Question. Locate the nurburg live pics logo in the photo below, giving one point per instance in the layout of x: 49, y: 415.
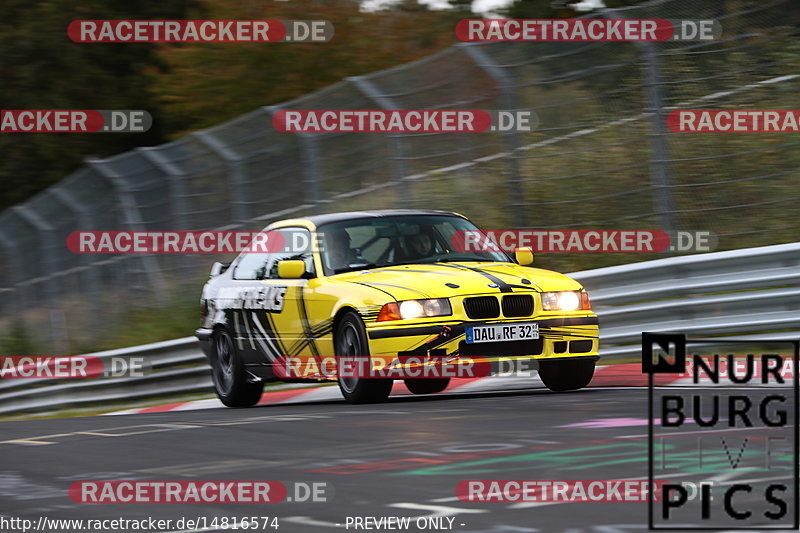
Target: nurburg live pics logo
x: 722, y: 432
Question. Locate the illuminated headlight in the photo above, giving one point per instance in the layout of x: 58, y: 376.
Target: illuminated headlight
x: 424, y: 308
x: 563, y: 301
x: 410, y: 309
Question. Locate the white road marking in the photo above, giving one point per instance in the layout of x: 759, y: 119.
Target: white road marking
x: 436, y: 510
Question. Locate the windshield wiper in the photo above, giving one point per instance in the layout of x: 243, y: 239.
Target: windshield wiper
x: 463, y: 259
x: 354, y: 268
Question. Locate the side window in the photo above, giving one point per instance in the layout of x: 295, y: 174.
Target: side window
x: 296, y: 245
x: 252, y: 266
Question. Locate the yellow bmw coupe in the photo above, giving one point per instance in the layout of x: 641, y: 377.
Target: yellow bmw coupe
x: 382, y: 286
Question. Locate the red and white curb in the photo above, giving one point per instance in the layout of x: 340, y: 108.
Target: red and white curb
x: 627, y: 375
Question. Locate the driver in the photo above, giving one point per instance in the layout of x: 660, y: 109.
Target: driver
x: 338, y: 250
x: 421, y: 244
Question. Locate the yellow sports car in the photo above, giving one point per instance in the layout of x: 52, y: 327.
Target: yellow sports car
x: 385, y: 287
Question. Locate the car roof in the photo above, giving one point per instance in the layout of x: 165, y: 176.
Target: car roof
x: 319, y: 220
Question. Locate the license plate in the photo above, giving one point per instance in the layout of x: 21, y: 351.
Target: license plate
x: 502, y: 332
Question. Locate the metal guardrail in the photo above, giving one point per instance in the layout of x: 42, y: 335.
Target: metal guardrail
x: 742, y: 293
x: 175, y: 367
x: 754, y: 291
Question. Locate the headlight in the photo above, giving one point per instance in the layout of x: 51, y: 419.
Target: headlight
x: 565, y: 301
x: 410, y: 309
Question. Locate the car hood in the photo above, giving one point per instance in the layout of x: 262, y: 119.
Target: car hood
x: 443, y: 280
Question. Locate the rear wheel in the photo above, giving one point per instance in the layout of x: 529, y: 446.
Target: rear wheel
x: 231, y: 381
x: 566, y: 374
x: 351, y: 341
x: 427, y: 386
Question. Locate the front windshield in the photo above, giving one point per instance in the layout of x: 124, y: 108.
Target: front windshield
x: 386, y: 241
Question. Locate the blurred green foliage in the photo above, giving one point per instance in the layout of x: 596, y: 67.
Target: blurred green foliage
x: 183, y: 86
x: 43, y: 69
x: 16, y: 340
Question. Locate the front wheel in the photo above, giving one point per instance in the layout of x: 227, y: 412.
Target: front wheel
x: 566, y: 374
x: 231, y: 381
x: 427, y: 386
x: 351, y: 342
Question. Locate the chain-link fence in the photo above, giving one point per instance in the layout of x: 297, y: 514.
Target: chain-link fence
x: 602, y: 157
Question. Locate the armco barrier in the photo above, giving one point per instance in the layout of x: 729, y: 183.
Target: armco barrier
x: 176, y: 367
x: 747, y: 293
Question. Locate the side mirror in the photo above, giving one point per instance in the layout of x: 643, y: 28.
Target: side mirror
x: 291, y: 269
x: 218, y: 268
x: 523, y: 256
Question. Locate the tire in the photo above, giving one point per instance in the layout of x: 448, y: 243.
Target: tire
x: 230, y: 378
x: 566, y: 374
x: 427, y: 386
x: 351, y: 340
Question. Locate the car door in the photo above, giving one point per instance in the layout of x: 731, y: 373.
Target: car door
x: 268, y: 320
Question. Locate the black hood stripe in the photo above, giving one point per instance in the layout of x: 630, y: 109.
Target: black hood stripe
x: 517, y: 276
x: 502, y: 286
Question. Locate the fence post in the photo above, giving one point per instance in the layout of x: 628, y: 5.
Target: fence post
x: 18, y: 268
x: 175, y: 176
x: 236, y: 173
x: 508, y: 99
x: 399, y: 169
x: 134, y: 222
x: 177, y: 193
x: 660, y: 172
x: 47, y: 268
x: 40, y: 225
x: 311, y: 176
x: 70, y: 202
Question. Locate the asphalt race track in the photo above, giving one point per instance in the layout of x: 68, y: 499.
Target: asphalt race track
x: 402, y: 458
